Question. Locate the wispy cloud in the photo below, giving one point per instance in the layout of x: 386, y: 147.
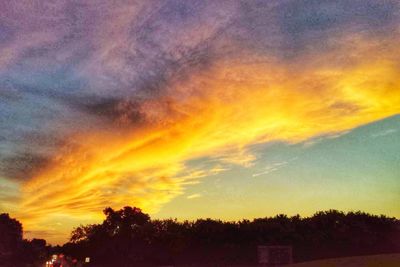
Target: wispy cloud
x: 271, y: 168
x: 193, y: 196
x: 384, y: 133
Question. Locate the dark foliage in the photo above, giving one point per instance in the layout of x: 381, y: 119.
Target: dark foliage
x: 10, y: 238
x: 16, y: 251
x: 129, y: 237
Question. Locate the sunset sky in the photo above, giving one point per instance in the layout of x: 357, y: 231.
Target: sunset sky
x: 189, y: 109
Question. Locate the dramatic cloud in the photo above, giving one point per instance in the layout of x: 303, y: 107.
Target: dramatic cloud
x: 104, y: 104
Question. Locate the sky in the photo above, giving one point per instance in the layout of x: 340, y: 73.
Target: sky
x: 188, y: 109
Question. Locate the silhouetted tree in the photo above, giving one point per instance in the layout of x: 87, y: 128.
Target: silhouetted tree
x: 35, y: 251
x: 129, y: 237
x: 16, y: 251
x: 10, y: 239
x: 126, y: 232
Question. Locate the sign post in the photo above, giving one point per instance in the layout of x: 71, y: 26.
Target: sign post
x: 274, y: 255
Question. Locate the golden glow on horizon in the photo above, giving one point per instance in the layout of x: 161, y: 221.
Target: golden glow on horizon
x: 217, y: 113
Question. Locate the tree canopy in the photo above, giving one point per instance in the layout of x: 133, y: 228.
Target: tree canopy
x: 129, y: 236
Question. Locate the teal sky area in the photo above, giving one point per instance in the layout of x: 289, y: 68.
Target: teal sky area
x: 359, y: 170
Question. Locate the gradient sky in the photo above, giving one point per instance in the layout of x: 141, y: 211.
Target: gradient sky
x: 187, y: 109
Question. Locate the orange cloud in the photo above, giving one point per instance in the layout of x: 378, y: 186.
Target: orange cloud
x: 217, y: 113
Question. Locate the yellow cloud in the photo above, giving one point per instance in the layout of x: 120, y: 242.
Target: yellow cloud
x: 217, y: 113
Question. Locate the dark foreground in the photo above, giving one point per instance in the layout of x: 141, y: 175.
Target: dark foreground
x: 387, y: 260
x: 129, y: 237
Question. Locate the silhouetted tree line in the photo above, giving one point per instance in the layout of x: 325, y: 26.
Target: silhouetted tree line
x: 128, y: 237
x: 16, y: 251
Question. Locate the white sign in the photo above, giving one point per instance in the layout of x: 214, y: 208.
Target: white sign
x: 87, y: 259
x: 263, y: 254
x: 274, y: 255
